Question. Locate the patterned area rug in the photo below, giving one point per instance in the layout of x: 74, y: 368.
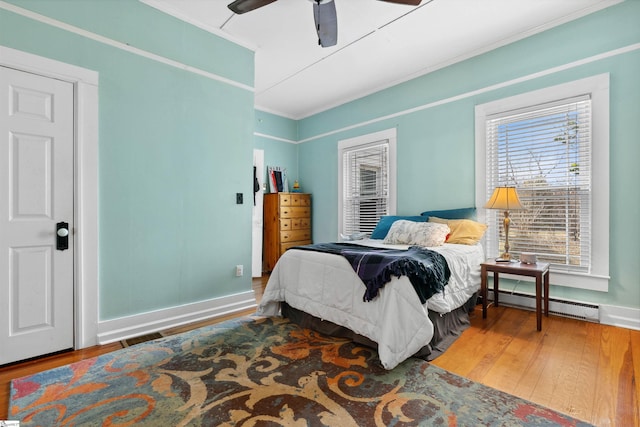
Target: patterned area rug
x: 261, y: 372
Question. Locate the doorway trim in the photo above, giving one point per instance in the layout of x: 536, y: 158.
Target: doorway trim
x: 256, y: 215
x: 86, y: 283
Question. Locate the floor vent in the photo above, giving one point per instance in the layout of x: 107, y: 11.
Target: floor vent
x: 143, y: 338
x: 572, y: 309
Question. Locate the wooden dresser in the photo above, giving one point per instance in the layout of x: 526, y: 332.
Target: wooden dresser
x: 287, y: 223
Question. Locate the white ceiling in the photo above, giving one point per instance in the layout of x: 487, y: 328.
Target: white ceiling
x: 379, y: 44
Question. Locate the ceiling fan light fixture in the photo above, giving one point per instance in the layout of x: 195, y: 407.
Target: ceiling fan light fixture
x: 407, y: 2
x: 243, y: 6
x: 324, y: 15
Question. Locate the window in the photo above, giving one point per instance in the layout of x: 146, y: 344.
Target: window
x: 545, y: 152
x: 553, y: 147
x: 366, y: 181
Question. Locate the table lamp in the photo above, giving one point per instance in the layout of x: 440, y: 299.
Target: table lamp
x: 505, y: 198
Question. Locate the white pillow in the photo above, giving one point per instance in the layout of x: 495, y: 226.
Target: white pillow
x: 417, y: 233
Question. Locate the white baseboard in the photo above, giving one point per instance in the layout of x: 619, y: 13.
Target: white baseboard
x: 624, y: 317
x: 140, y: 324
x: 612, y: 315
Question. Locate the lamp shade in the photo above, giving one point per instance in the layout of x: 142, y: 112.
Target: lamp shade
x: 505, y: 198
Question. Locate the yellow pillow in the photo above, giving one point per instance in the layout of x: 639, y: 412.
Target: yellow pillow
x: 463, y: 231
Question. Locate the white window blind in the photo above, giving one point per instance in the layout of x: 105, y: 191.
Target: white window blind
x: 365, y: 189
x: 545, y: 152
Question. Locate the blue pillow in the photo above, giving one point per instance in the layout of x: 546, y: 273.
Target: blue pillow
x: 463, y: 213
x: 381, y: 230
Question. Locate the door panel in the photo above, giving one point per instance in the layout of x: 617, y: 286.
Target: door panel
x: 30, y: 289
x: 30, y: 158
x: 36, y: 192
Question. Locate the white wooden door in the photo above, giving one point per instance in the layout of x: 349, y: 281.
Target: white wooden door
x: 36, y: 193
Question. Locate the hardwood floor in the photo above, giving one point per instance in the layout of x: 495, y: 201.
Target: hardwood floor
x: 586, y: 370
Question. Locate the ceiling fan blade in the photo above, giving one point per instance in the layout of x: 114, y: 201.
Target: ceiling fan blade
x: 409, y: 2
x: 324, y: 15
x: 242, y: 6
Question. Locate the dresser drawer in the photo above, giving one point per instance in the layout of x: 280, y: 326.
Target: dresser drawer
x: 285, y: 246
x: 300, y: 223
x: 294, y: 212
x: 294, y: 236
x: 300, y: 200
x: 284, y: 199
x: 288, y: 224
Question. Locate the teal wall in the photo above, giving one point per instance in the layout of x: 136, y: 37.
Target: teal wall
x: 436, y: 159
x: 277, y: 135
x: 174, y: 148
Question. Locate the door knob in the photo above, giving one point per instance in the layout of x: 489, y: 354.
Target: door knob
x: 62, y: 238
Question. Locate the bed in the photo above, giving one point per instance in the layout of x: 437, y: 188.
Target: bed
x: 323, y: 291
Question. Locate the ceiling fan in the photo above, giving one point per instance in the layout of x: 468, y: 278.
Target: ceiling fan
x: 324, y: 15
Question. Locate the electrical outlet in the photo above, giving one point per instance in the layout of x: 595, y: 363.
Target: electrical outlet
x: 239, y: 270
x: 239, y: 198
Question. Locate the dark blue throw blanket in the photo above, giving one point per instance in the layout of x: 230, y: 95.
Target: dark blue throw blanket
x: 426, y: 269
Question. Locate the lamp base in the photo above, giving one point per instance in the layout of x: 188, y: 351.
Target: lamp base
x: 505, y: 257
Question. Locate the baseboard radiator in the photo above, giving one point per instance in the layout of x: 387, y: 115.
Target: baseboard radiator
x: 573, y: 309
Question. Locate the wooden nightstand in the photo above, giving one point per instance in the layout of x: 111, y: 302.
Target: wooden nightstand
x: 540, y: 271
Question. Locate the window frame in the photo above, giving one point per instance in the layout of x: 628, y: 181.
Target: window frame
x: 362, y: 141
x: 597, y: 278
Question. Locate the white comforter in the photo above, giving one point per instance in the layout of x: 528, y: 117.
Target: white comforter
x: 325, y: 285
